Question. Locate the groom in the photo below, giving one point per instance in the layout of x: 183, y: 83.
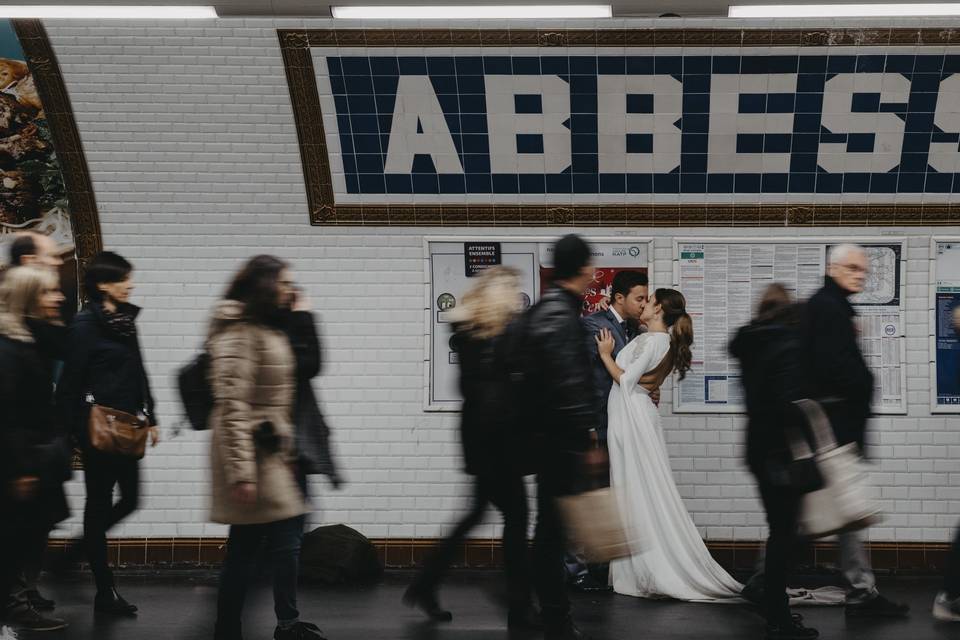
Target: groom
x: 628, y: 295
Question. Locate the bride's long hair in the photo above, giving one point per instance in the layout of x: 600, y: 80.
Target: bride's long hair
x: 675, y: 316
x: 490, y: 305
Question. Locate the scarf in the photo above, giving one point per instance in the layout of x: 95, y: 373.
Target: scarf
x: 119, y: 322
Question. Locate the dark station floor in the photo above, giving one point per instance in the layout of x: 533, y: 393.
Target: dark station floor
x: 180, y: 606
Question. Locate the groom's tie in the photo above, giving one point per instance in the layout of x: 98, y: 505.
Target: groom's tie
x: 625, y: 329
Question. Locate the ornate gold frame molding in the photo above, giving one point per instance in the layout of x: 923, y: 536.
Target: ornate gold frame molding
x: 295, y: 48
x: 66, y: 137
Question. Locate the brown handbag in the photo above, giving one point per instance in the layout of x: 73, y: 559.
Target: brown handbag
x: 117, y: 432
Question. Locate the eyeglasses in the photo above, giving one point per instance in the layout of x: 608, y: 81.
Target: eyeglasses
x: 854, y: 268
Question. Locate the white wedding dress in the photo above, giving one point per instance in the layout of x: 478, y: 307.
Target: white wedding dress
x: 671, y: 559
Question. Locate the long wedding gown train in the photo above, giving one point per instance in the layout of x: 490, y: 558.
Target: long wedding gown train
x: 672, y: 560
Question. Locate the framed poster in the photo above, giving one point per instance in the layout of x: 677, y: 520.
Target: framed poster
x: 723, y: 279
x: 944, y: 339
x: 450, y: 263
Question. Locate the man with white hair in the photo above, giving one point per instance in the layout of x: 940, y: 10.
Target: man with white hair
x: 836, y: 371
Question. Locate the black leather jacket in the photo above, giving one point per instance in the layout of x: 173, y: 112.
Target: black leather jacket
x: 564, y: 401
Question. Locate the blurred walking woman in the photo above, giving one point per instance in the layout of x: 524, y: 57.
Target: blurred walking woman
x: 255, y: 490
x: 104, y: 366
x: 479, y: 336
x: 34, y: 456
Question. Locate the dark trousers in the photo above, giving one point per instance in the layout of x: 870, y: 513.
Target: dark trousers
x: 33, y: 559
x: 101, y: 473
x: 508, y: 494
x: 549, y: 545
x: 782, y: 505
x: 282, y: 540
x: 951, y: 583
x: 20, y: 532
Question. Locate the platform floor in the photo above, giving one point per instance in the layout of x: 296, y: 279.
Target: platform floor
x: 180, y: 606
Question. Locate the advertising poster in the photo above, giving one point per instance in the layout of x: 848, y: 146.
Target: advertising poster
x: 453, y: 264
x: 723, y: 283
x: 947, y: 342
x: 608, y: 261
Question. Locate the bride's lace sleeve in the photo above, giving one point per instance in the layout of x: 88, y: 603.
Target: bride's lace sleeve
x: 645, y: 356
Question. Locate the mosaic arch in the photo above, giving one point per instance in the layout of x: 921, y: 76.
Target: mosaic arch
x: 45, y: 183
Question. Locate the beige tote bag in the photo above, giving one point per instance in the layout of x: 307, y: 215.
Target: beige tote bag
x: 842, y: 503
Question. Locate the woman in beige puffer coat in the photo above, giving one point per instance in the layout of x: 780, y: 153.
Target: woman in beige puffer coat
x: 255, y: 491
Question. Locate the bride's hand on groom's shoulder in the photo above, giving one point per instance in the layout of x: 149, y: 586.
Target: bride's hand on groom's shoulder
x: 605, y: 342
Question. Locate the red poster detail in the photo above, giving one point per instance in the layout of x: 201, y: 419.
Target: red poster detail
x: 599, y: 289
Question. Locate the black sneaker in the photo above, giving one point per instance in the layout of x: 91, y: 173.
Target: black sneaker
x: 29, y: 619
x: 299, y: 631
x: 877, y: 607
x: 113, y: 603
x: 38, y: 602
x: 792, y: 629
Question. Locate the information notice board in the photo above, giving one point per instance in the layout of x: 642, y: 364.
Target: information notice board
x: 451, y: 263
x: 723, y: 281
x: 945, y: 368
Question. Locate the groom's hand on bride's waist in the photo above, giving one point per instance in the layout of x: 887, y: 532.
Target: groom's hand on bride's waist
x: 655, y: 397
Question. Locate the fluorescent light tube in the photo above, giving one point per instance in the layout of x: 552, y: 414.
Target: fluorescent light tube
x: 473, y: 12
x: 842, y: 10
x: 107, y: 12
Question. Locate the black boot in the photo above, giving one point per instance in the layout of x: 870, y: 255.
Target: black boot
x: 791, y: 629
x: 112, y: 602
x: 564, y: 630
x: 426, y: 601
x: 877, y: 607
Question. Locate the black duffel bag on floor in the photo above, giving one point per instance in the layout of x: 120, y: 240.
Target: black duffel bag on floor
x: 337, y: 554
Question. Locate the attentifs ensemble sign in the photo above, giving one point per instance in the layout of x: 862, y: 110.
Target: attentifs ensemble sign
x: 583, y: 134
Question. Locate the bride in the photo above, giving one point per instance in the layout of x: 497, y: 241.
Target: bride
x: 673, y: 561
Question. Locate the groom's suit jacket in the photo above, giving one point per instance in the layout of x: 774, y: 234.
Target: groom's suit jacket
x: 601, y: 377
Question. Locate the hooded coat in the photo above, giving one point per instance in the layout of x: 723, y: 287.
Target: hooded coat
x: 252, y: 375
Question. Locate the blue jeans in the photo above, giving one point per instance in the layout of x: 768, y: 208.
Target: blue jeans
x: 283, y: 539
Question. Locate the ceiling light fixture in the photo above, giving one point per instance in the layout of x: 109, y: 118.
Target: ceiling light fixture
x: 108, y: 12
x: 473, y: 12
x: 842, y: 10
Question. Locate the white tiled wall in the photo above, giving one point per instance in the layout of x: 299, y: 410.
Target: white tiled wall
x: 192, y: 147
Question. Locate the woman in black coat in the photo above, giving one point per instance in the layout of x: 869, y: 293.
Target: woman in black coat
x: 104, y: 365
x: 770, y: 354
x: 488, y: 446
x: 34, y: 452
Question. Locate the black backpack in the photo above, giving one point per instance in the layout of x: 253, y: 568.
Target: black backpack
x: 195, y: 392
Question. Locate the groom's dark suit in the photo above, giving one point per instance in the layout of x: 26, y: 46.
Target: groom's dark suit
x: 622, y: 334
